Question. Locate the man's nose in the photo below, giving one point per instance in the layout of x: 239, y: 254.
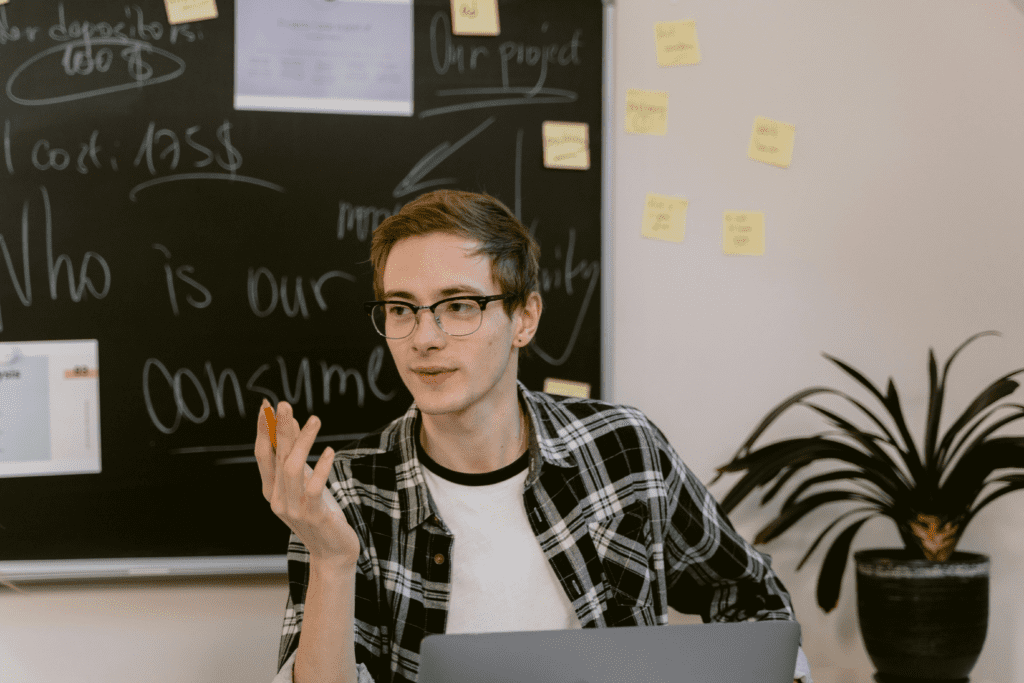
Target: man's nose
x: 427, y: 330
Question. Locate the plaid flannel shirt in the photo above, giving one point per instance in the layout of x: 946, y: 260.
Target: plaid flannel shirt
x: 627, y: 528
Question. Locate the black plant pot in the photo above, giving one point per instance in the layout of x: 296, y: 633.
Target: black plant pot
x: 922, y: 620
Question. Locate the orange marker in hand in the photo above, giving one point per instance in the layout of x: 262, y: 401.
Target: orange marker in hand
x: 271, y: 425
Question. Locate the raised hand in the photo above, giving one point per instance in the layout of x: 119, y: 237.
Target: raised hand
x: 298, y: 494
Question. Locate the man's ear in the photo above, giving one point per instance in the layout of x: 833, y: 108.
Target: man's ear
x: 528, y: 319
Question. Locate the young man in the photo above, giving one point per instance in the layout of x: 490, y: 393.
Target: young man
x: 487, y: 507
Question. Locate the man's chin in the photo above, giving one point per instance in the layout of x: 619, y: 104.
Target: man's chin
x: 434, y: 400
x: 438, y: 408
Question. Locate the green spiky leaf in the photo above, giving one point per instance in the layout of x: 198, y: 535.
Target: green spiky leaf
x: 931, y: 430
x: 832, y: 525
x: 797, y: 510
x: 765, y: 464
x: 950, y: 456
x: 830, y: 579
x: 994, y: 392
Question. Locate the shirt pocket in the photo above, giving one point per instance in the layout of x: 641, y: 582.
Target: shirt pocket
x: 623, y: 543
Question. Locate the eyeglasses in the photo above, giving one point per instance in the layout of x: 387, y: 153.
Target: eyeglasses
x: 457, y: 316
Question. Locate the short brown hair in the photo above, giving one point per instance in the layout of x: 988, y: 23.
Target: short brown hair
x: 514, y: 253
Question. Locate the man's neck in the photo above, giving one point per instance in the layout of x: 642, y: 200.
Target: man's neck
x: 484, y: 441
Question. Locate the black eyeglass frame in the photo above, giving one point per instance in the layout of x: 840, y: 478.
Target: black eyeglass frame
x: 481, y: 301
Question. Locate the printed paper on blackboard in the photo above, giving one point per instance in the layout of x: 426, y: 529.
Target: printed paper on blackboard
x: 328, y: 56
x: 49, y: 408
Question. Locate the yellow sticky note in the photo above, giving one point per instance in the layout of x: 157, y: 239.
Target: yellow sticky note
x: 565, y: 387
x: 676, y: 43
x: 647, y: 112
x: 743, y: 232
x: 475, y: 18
x: 664, y: 218
x: 183, y: 11
x: 772, y: 142
x: 566, y: 145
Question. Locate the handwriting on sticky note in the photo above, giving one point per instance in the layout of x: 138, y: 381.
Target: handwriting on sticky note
x: 676, y: 43
x: 664, y: 218
x: 182, y: 11
x: 743, y: 232
x: 566, y: 387
x: 772, y: 142
x: 475, y: 18
x: 647, y: 112
x: 271, y: 425
x: 566, y: 145
x: 81, y: 372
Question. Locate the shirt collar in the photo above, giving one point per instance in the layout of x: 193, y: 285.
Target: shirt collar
x: 546, y: 448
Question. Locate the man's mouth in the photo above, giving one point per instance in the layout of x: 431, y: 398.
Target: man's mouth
x: 434, y: 375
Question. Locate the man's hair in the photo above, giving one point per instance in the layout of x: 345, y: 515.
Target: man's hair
x: 514, y: 253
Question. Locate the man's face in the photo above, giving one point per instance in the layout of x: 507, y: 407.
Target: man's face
x: 477, y: 369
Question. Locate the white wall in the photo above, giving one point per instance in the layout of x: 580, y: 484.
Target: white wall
x: 897, y: 227
x: 210, y: 630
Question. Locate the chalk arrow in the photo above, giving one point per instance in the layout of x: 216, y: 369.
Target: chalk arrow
x: 413, y: 181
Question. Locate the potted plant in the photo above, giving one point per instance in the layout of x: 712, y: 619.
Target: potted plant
x: 923, y: 608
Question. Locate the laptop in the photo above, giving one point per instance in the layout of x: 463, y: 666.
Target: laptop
x: 740, y: 652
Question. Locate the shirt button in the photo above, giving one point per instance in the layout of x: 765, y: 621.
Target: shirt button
x: 439, y: 559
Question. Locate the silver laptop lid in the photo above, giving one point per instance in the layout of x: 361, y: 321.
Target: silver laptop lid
x: 741, y: 652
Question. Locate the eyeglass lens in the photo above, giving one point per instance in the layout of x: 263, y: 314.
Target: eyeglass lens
x: 457, y: 318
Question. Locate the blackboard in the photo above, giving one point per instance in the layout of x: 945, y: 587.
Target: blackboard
x: 112, y: 177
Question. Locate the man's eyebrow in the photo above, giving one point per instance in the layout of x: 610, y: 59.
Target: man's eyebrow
x: 454, y: 290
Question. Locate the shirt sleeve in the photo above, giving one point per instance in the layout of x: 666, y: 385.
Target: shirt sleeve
x: 711, y: 570
x: 803, y: 669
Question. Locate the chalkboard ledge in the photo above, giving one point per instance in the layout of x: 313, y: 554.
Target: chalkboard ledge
x: 42, y: 571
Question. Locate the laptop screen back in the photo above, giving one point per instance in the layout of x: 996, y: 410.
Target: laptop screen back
x: 742, y: 652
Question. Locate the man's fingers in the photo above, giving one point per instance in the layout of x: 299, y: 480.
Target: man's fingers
x: 318, y: 480
x: 292, y: 467
x: 264, y: 452
x: 290, y: 476
x: 306, y: 437
x: 261, y: 420
x: 287, y: 430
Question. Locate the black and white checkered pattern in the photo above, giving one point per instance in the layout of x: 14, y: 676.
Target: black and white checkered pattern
x: 627, y: 528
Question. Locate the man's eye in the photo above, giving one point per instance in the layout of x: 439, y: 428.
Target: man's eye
x: 398, y: 311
